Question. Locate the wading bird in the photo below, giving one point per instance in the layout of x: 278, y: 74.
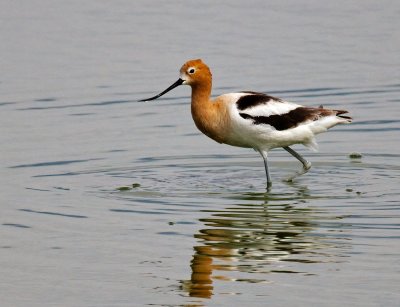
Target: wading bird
x: 254, y: 120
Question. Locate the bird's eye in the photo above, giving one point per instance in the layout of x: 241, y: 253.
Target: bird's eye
x: 191, y: 71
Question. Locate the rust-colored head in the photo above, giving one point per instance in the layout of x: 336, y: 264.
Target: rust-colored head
x: 195, y: 72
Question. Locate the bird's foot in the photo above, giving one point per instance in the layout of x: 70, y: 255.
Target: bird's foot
x: 305, y: 169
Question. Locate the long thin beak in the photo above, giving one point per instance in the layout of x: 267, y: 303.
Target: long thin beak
x: 177, y: 83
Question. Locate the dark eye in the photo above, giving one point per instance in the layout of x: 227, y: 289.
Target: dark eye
x: 191, y: 71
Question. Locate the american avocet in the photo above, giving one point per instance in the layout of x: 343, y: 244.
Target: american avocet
x: 254, y: 120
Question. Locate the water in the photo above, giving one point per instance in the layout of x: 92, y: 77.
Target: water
x: 109, y: 202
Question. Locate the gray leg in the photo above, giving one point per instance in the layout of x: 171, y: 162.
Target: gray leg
x: 306, y: 164
x: 264, y: 155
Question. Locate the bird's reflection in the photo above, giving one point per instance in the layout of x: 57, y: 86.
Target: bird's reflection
x: 252, y: 237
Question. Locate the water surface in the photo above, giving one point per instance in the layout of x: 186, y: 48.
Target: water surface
x: 106, y: 201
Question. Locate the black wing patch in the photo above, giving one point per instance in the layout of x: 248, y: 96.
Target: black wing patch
x: 288, y: 120
x: 253, y: 99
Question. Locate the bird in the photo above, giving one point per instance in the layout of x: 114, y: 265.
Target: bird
x: 255, y: 120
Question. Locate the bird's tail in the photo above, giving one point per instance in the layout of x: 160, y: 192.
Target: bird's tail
x: 325, y: 119
x: 339, y: 113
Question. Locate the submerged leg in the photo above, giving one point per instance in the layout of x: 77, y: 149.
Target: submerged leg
x: 264, y: 155
x: 306, y: 164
